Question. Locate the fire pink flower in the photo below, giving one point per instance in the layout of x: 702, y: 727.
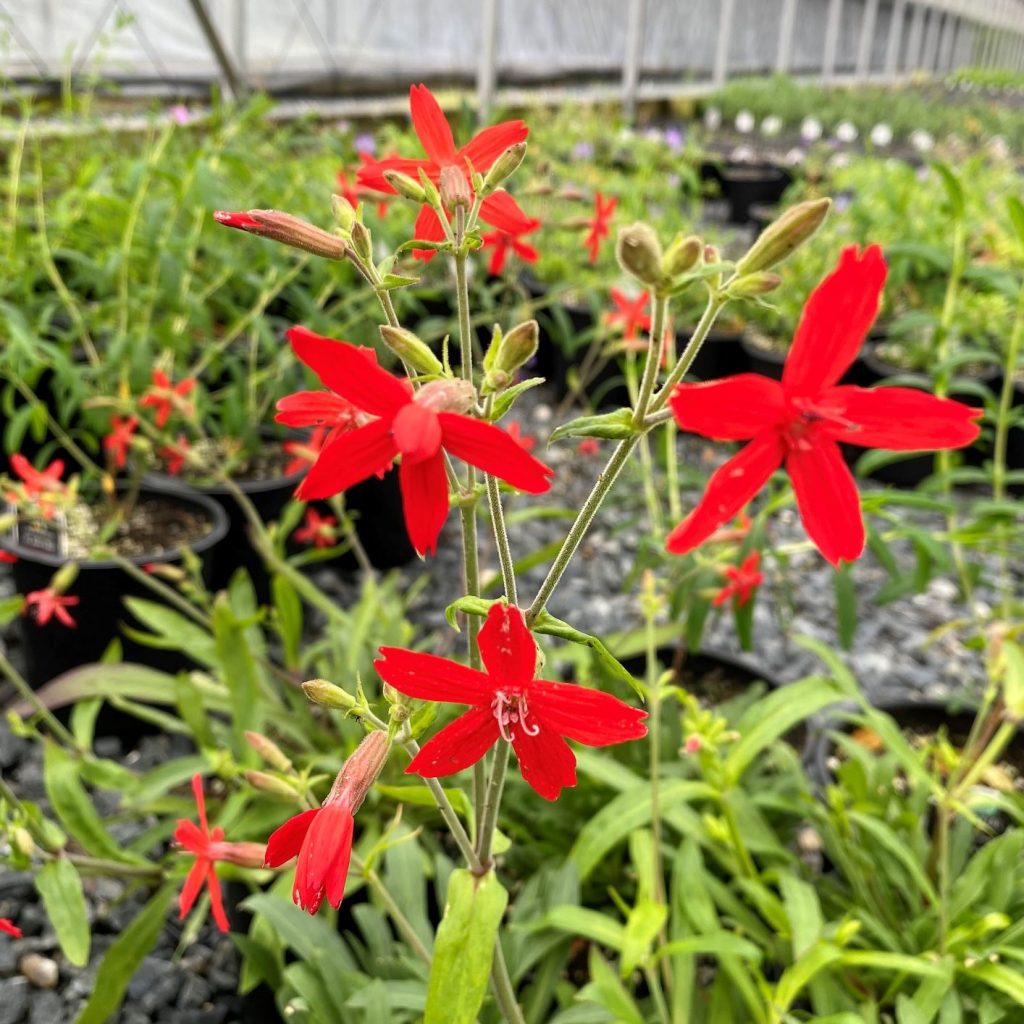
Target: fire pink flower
x: 352, y: 192
x: 8, y: 557
x: 600, y: 225
x: 210, y: 847
x: 40, y: 486
x: 435, y: 134
x: 508, y: 702
x: 8, y: 927
x: 304, y: 453
x: 629, y: 313
x: 800, y: 421
x: 322, y: 838
x: 502, y: 212
x: 174, y: 455
x: 525, y: 441
x: 117, y: 442
x: 47, y: 604
x: 744, y: 579
x: 164, y: 398
x: 416, y: 427
x: 320, y: 531
x: 588, y: 446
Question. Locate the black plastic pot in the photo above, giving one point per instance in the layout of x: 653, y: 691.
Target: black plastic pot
x: 770, y: 362
x: 721, y: 355
x: 379, y: 523
x: 102, y: 586
x: 745, y: 185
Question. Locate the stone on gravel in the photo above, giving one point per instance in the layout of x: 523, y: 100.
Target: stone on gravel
x: 46, y: 1008
x: 13, y: 1000
x: 40, y: 970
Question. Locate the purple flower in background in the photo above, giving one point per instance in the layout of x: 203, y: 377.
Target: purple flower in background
x: 366, y: 143
x: 842, y: 201
x: 674, y: 139
x: 583, y: 150
x: 180, y: 114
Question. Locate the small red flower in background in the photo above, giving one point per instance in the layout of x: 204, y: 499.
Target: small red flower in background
x: 304, y: 452
x: 47, y: 604
x: 117, y: 442
x: 40, y: 486
x: 799, y: 422
x: 733, y: 533
x: 600, y: 225
x: 435, y: 134
x: 408, y: 426
x: 525, y: 441
x: 6, y: 556
x: 353, y: 193
x: 508, y: 702
x: 9, y: 928
x: 629, y: 313
x: 322, y: 837
x: 210, y: 847
x: 588, y: 446
x: 164, y: 398
x: 509, y: 227
x: 320, y: 531
x: 744, y: 579
x: 174, y: 455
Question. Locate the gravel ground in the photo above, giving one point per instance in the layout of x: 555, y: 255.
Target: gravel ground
x: 891, y: 656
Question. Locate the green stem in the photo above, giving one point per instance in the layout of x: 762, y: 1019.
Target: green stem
x: 402, y: 923
x: 747, y: 865
x: 508, y: 572
x: 715, y: 305
x: 653, y: 360
x: 161, y: 589
x: 501, y: 981
x: 30, y: 696
x: 492, y: 802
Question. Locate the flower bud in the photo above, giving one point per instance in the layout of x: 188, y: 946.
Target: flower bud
x: 245, y: 855
x: 517, y: 347
x: 361, y: 770
x: 639, y: 253
x: 405, y: 186
x: 781, y: 238
x: 682, y: 256
x: 270, y: 784
x: 711, y: 254
x: 319, y: 691
x: 410, y: 349
x: 283, y: 227
x: 429, y: 189
x: 64, y: 577
x: 345, y: 213
x: 269, y: 751
x: 504, y: 167
x: 749, y: 285
x: 361, y: 242
x: 447, y: 395
x: 22, y: 840
x: 454, y: 187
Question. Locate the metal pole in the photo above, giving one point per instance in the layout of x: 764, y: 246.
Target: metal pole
x: 786, y: 24
x: 828, y: 66
x: 633, y: 56
x: 931, y: 40
x: 916, y: 37
x: 721, y: 67
x: 946, y: 42
x: 240, y: 27
x: 867, y: 39
x: 486, y: 73
x: 232, y: 82
x: 892, y: 48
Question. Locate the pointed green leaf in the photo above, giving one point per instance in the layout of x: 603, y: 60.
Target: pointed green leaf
x: 61, y: 889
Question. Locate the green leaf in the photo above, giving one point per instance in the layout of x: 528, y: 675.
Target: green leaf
x: 1016, y: 210
x: 74, y: 807
x: 902, y: 963
x: 240, y: 674
x: 288, y: 607
x: 1003, y: 979
x: 804, y: 912
x: 581, y: 922
x: 612, y: 425
x: 392, y: 281
x: 645, y: 920
x: 61, y: 889
x: 796, y: 977
x: 954, y: 189
x: 714, y: 943
x: 470, y: 606
x: 464, y: 948
x: 172, y: 631
x: 606, y: 990
x: 846, y: 606
x: 1013, y: 679
x: 504, y: 401
x: 123, y: 958
x: 550, y: 626
x: 312, y: 938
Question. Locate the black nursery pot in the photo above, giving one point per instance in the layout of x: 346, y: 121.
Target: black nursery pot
x: 102, y: 586
x: 379, y: 523
x: 746, y: 185
x: 721, y: 355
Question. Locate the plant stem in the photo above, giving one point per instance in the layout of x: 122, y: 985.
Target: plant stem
x: 394, y: 910
x: 653, y: 360
x: 485, y: 833
x: 707, y: 320
x: 508, y: 572
x: 161, y: 589
x: 54, y: 724
x: 502, y: 984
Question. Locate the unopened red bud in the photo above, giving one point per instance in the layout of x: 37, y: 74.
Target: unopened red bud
x: 711, y: 254
x: 319, y: 691
x: 405, y: 186
x: 682, y: 255
x: 503, y: 168
x: 411, y: 350
x: 784, y: 235
x: 283, y: 227
x: 361, y: 770
x: 269, y: 751
x: 639, y: 253
x: 447, y: 395
x: 245, y: 855
x: 454, y: 188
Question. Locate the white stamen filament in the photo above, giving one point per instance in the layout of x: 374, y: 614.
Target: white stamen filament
x: 512, y: 710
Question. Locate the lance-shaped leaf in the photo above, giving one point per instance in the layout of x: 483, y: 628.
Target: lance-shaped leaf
x: 611, y: 425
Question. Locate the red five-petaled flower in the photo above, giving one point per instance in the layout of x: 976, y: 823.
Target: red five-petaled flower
x: 40, y: 486
x: 320, y: 531
x: 799, y: 422
x: 417, y: 428
x: 210, y: 847
x: 47, y: 604
x: 508, y: 702
x: 164, y: 398
x: 629, y: 313
x: 122, y: 429
x: 743, y: 579
x: 8, y: 927
x: 600, y: 226
x: 510, y: 224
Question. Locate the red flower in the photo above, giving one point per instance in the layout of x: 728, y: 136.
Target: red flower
x: 47, y: 604
x: 600, y: 226
x: 510, y: 224
x: 502, y: 212
x: 629, y: 313
x: 525, y: 441
x: 435, y: 134
x: 352, y: 192
x: 41, y: 486
x: 800, y: 421
x: 6, y: 556
x: 508, y: 702
x: 174, y: 455
x: 322, y: 838
x: 318, y: 530
x: 9, y: 928
x: 733, y: 533
x: 304, y: 453
x: 743, y: 579
x: 209, y: 847
x: 588, y: 446
x: 120, y: 437
x: 416, y: 427
x: 165, y: 398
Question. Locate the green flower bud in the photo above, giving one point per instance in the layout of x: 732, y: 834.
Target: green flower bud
x: 319, y: 691
x: 517, y: 347
x: 270, y: 784
x: 344, y: 212
x: 433, y: 197
x: 410, y: 349
x: 749, y: 285
x: 639, y: 253
x: 64, y: 577
x: 269, y: 751
x: 503, y: 168
x: 405, y: 186
x: 361, y: 242
x: 682, y: 255
x: 454, y: 188
x: 782, y: 237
